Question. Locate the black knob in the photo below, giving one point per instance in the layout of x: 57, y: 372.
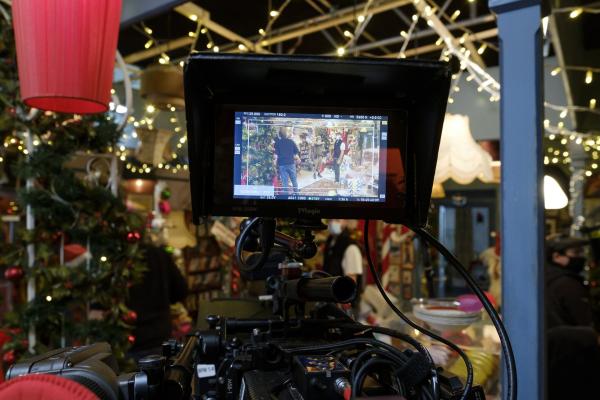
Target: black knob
x: 151, y: 362
x: 154, y: 367
x: 235, y: 343
x: 170, y: 348
x: 212, y: 321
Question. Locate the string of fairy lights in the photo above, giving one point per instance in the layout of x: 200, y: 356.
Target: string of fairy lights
x: 557, y: 134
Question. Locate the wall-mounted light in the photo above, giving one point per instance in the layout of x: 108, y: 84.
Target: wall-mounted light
x: 555, y: 197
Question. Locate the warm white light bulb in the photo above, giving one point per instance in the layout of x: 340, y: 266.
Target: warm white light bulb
x: 554, y: 196
x: 576, y: 12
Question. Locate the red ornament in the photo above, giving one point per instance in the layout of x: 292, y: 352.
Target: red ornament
x: 15, y: 331
x: 9, y: 357
x: 131, y: 339
x: 133, y: 236
x: 13, y: 273
x: 66, y: 53
x: 130, y: 317
x: 164, y: 206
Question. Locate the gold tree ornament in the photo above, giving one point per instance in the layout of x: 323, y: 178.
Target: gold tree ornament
x: 162, y: 86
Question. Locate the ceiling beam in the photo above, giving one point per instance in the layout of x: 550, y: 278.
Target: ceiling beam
x: 444, y: 32
x: 418, y: 35
x: 329, y: 20
x: 196, y: 13
x: 158, y: 50
x: 282, y: 34
x: 333, y: 43
x: 203, y: 17
x: 487, y: 34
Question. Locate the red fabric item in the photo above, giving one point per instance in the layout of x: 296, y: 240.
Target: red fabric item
x: 73, y: 251
x: 66, y: 53
x: 498, y: 244
x: 367, y: 276
x: 44, y: 387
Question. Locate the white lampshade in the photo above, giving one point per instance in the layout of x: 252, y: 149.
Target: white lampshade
x: 554, y: 196
x: 460, y: 157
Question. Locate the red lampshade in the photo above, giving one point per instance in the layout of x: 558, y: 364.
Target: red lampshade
x: 66, y: 53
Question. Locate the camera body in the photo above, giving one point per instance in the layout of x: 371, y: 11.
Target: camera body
x: 297, y: 353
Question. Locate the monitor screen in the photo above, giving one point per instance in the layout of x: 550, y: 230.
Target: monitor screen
x: 309, y: 157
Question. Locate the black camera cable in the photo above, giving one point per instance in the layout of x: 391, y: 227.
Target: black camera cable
x: 261, y: 230
x: 509, y: 357
x: 409, y: 322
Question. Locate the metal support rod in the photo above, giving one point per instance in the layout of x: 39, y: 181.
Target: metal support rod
x: 420, y: 34
x: 114, y: 176
x: 522, y: 201
x: 196, y: 13
x: 30, y: 226
x: 333, y: 43
x: 576, y: 187
x: 451, y: 42
x: 157, y: 50
x: 316, y: 24
x: 330, y: 39
x: 490, y: 33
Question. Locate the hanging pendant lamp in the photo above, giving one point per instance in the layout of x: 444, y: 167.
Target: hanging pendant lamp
x: 460, y: 157
x: 66, y: 53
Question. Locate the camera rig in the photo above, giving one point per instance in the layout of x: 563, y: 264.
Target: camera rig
x: 294, y: 354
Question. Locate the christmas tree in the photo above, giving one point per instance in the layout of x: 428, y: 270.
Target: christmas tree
x: 84, y: 251
x: 258, y: 158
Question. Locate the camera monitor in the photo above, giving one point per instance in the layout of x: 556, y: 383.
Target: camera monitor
x: 313, y: 137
